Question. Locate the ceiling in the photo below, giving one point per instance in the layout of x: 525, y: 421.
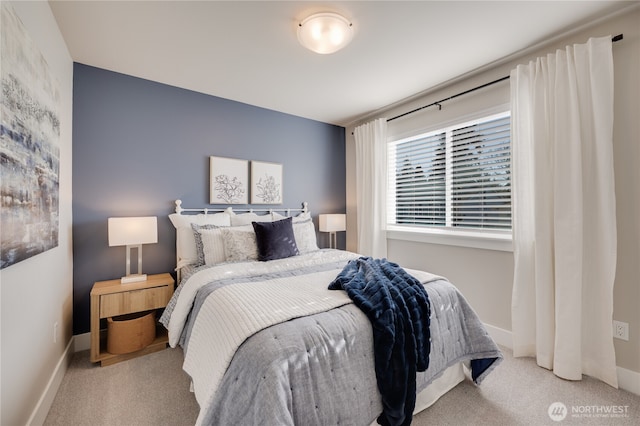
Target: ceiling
x: 248, y: 51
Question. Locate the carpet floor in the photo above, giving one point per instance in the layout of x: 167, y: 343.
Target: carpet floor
x: 153, y: 390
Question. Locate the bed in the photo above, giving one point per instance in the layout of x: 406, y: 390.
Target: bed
x: 266, y: 342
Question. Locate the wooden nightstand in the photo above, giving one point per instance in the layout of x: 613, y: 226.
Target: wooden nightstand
x: 111, y: 298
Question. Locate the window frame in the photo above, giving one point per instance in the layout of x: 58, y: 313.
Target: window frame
x: 492, y: 239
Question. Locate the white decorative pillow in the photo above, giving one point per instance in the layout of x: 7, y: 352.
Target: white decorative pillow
x: 247, y: 218
x: 185, y: 240
x: 305, y: 235
x: 240, y: 243
x: 209, y: 244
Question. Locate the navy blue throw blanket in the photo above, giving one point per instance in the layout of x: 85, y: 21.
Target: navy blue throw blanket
x: 398, y: 307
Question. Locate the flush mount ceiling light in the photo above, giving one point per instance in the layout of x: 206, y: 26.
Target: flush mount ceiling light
x: 325, y: 32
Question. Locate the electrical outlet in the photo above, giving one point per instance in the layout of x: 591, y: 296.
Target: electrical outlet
x: 55, y: 332
x: 621, y: 330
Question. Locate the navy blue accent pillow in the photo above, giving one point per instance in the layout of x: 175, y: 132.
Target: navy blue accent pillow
x: 275, y: 239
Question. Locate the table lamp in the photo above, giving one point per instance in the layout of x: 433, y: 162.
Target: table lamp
x: 333, y: 223
x: 133, y: 232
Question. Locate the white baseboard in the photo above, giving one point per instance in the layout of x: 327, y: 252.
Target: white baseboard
x: 628, y: 380
x: 41, y: 410
x: 81, y: 342
x: 500, y: 336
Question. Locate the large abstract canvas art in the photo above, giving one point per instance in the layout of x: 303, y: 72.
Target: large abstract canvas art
x: 29, y: 146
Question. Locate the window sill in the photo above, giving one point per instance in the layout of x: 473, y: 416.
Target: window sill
x: 472, y: 239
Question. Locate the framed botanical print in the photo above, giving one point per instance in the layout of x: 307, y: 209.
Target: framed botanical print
x: 266, y: 183
x: 229, y: 180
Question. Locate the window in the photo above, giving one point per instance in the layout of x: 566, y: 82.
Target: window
x: 453, y: 179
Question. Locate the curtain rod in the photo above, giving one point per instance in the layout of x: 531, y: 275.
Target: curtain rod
x: 438, y: 103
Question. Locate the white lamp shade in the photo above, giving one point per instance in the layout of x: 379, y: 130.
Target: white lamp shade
x: 124, y: 231
x: 333, y: 222
x: 325, y: 32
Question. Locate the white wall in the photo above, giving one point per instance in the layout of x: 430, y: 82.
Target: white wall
x: 484, y: 276
x: 37, y: 292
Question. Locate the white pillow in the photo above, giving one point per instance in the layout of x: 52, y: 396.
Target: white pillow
x: 240, y: 243
x: 209, y: 244
x: 305, y: 235
x: 247, y: 218
x: 185, y: 241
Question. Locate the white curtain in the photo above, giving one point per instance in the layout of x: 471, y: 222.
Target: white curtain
x: 371, y: 187
x: 564, y: 218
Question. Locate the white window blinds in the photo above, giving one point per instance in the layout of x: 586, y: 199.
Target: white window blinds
x: 420, y: 181
x: 481, y: 186
x: 456, y: 177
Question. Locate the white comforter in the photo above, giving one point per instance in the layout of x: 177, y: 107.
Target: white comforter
x: 187, y: 293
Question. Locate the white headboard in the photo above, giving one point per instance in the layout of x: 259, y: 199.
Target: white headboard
x: 230, y: 210
x: 206, y: 210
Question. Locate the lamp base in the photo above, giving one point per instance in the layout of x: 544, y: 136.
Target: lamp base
x: 133, y: 278
x: 333, y: 240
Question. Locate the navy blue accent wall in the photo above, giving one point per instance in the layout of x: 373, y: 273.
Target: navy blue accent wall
x: 138, y: 145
